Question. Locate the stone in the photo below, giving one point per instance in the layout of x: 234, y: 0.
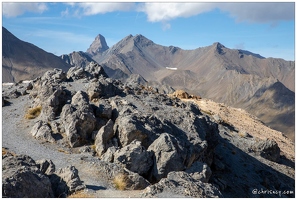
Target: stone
x: 169, y: 156
x: 267, y: 149
x: 78, y: 120
x: 55, y: 75
x: 21, y: 178
x: 14, y: 94
x: 52, y: 106
x: 75, y: 73
x: 104, y: 110
x: 181, y: 184
x: 66, y: 181
x: 108, y: 156
x: 103, y: 136
x: 181, y: 94
x: 134, y: 157
x: 103, y: 88
x: 42, y: 131
x: 199, y: 171
x: 92, y: 70
x: 110, y: 171
x: 46, y: 166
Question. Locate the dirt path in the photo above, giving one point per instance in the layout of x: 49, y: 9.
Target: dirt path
x: 16, y: 137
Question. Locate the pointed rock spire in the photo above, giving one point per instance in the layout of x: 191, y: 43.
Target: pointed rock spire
x: 99, y: 45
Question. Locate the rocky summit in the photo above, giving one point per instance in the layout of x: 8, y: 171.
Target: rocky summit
x: 79, y: 133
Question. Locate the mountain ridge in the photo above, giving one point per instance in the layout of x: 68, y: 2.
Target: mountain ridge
x: 22, y: 60
x: 230, y: 76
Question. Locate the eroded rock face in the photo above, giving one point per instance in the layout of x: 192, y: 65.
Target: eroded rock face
x: 78, y: 119
x: 66, y: 181
x: 22, y: 179
x: 181, y: 184
x: 103, y: 88
x: 169, y: 155
x: 103, y: 136
x: 134, y: 157
x: 42, y: 131
x: 92, y: 70
x: 111, y: 171
x: 145, y: 117
x: 199, y: 171
x: 267, y: 149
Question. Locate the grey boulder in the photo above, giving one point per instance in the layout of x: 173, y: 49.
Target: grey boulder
x: 181, y: 184
x: 134, y: 157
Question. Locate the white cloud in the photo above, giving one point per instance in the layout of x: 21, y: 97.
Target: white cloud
x: 260, y: 12
x: 250, y: 12
x: 16, y: 9
x: 167, y: 11
x: 101, y: 8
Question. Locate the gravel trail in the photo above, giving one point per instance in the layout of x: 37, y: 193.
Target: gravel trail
x: 17, y: 138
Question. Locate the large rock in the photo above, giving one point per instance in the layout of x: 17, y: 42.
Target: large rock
x: 181, y: 184
x: 66, y: 181
x: 145, y: 117
x: 52, y: 106
x: 92, y: 70
x: 199, y: 171
x: 21, y: 178
x: 78, y: 120
x: 42, y: 131
x: 104, y: 109
x: 103, y: 88
x: 111, y: 171
x: 169, y: 156
x: 134, y: 157
x: 55, y: 75
x: 103, y: 136
x: 46, y: 166
x: 267, y: 149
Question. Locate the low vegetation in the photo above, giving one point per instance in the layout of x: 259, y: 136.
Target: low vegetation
x: 32, y: 113
x: 81, y: 194
x: 120, y: 181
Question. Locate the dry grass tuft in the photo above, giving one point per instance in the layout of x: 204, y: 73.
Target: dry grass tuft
x: 81, y: 194
x: 120, y: 181
x: 32, y: 113
x: 63, y: 151
x: 5, y: 151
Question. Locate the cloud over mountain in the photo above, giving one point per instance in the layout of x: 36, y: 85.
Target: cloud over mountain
x: 266, y: 12
x: 16, y: 9
x: 250, y: 12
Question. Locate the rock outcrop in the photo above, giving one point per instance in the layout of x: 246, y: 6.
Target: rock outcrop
x: 149, y: 139
x: 25, y: 178
x: 78, y: 119
x: 42, y: 131
x: 181, y: 184
x: 134, y: 157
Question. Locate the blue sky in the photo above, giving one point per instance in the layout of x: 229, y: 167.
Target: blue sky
x: 61, y: 28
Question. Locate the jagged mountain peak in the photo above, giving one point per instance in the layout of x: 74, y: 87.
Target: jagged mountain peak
x: 99, y: 45
x: 218, y: 45
x: 142, y: 39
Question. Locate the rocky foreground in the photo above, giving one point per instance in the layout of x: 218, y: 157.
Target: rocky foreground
x: 81, y: 131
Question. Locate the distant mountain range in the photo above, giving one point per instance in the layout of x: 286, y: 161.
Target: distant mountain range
x: 22, y: 60
x: 264, y: 87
